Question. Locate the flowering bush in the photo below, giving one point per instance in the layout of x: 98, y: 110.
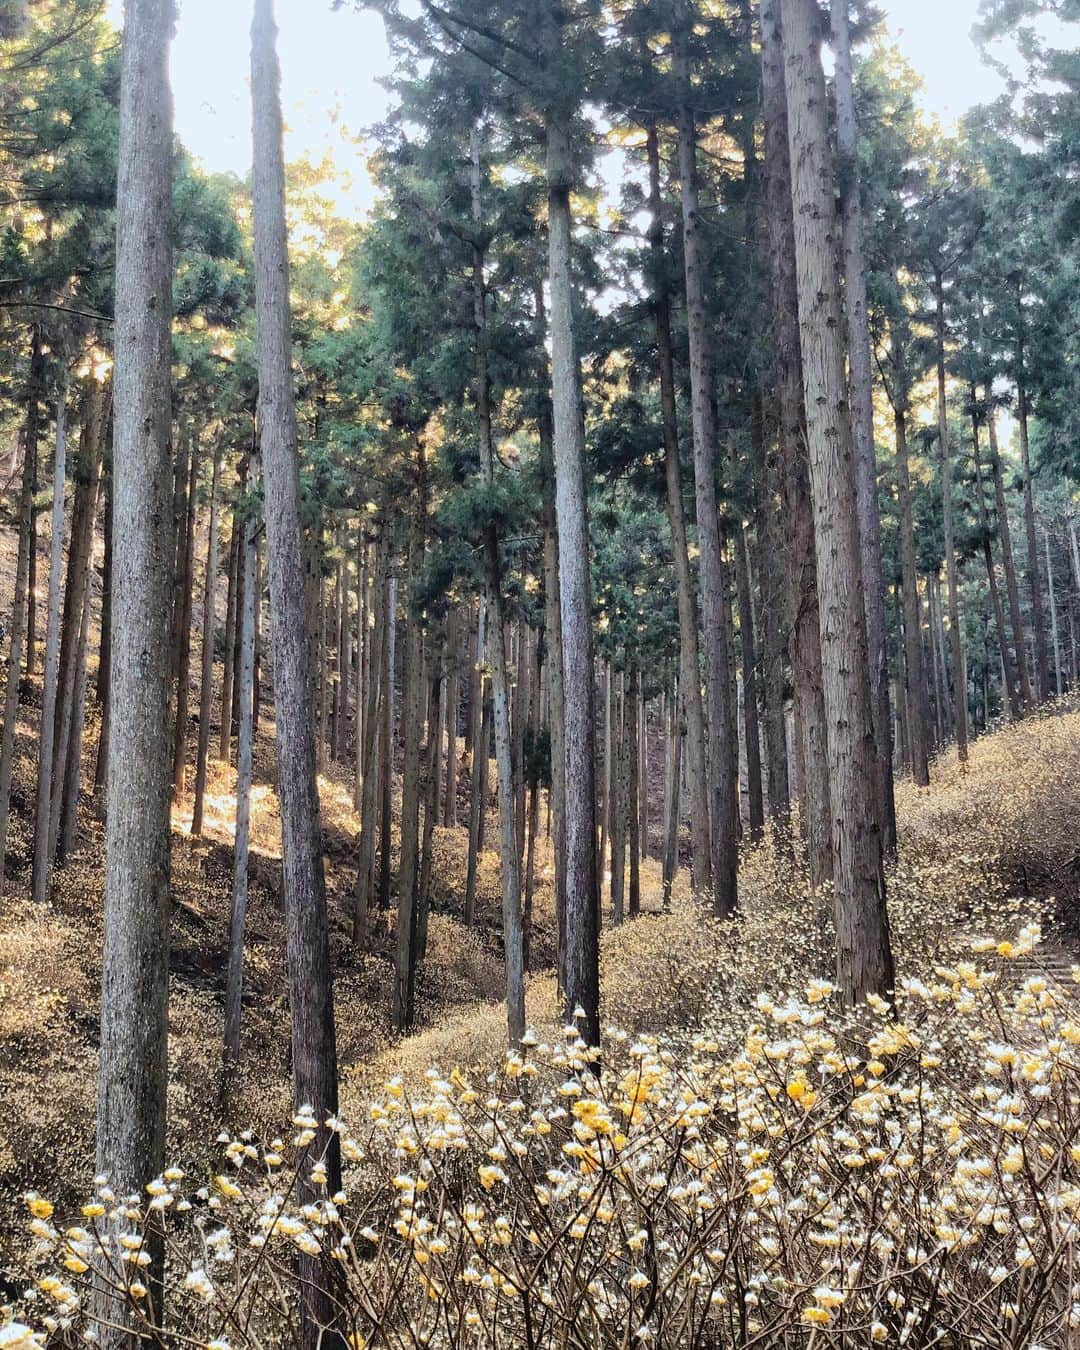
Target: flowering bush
x: 906, y: 1176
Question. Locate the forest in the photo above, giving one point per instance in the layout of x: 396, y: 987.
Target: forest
x: 540, y: 761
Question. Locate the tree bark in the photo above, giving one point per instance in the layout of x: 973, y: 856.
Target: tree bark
x: 411, y: 717
x: 206, y: 688
x: 751, y: 732
x: 1012, y: 590
x: 721, y: 759
x: 234, y: 979
x: 634, y: 792
x: 918, y: 716
x: 314, y: 1059
x: 133, y: 1060
x: 1008, y: 673
x: 43, y: 804
x: 864, y: 953
x: 14, y: 666
x: 582, y: 965
x: 956, y: 649
x: 860, y: 380
x: 186, y: 581
x: 804, y: 640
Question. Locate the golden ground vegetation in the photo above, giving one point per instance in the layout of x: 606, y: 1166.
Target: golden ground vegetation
x: 803, y: 1150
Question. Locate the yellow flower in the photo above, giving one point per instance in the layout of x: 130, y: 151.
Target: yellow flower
x: 227, y: 1187
x: 38, y: 1206
x: 816, y: 1316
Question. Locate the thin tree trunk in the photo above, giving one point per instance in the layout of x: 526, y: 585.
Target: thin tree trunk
x: 633, y: 721
x: 616, y: 805
x: 186, y: 580
x: 1012, y: 590
x: 1053, y: 613
x: 723, y: 795
x: 101, y: 767
x: 206, y: 687
x: 673, y: 775
x: 917, y: 713
x: 701, y: 857
x: 864, y: 954
x: 1042, y: 673
x: 411, y: 718
x: 378, y: 680
x: 386, y: 746
x: 955, y: 645
x: 133, y: 1058
x: 861, y: 395
x: 476, y: 777
x: 234, y: 979
x: 224, y: 737
x: 314, y: 1059
x: 43, y: 804
x: 1008, y: 674
x: 14, y: 666
x: 752, y: 734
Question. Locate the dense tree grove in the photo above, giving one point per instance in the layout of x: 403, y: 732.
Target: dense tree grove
x: 682, y: 453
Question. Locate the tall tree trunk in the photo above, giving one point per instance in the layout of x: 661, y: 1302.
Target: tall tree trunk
x: 673, y: 777
x: 411, y: 719
x: 556, y: 678
x: 1008, y: 673
x: 386, y: 745
x: 314, y: 1060
x: 1012, y: 590
x: 206, y: 685
x: 804, y: 643
x: 133, y: 1059
x: 378, y: 679
x: 509, y: 838
x: 43, y: 804
x: 632, y: 722
x: 861, y: 396
x: 582, y: 963
x: 723, y: 794
x: 14, y: 666
x: 228, y: 667
x: 476, y: 776
x: 864, y: 954
x: 917, y: 713
x: 1053, y: 614
x: 186, y: 581
x: 956, y: 649
x: 766, y: 556
x: 104, y: 702
x: 751, y: 732
x: 616, y: 805
x: 234, y: 978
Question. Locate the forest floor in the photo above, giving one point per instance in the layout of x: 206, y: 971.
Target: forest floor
x: 981, y: 850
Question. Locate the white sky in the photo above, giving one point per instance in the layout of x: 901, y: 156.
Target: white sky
x: 332, y: 62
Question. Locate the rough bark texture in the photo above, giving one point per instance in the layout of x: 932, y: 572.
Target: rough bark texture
x: 689, y: 656
x: 804, y: 640
x: 918, y: 719
x: 1012, y: 590
x: 186, y: 581
x: 956, y: 650
x: 860, y: 379
x: 509, y: 837
x: 751, y: 733
x: 133, y: 1064
x: 582, y: 964
x: 43, y: 804
x: 1008, y: 671
x: 314, y: 1060
x: 721, y: 759
x: 864, y: 955
x: 1038, y: 621
x: 207, y: 675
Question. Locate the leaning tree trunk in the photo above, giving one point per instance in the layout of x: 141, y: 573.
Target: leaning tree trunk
x: 314, y: 1059
x: 956, y: 650
x: 864, y: 952
x: 133, y: 1061
x: 861, y: 395
x: 804, y: 643
x: 582, y: 962
x: 723, y: 794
